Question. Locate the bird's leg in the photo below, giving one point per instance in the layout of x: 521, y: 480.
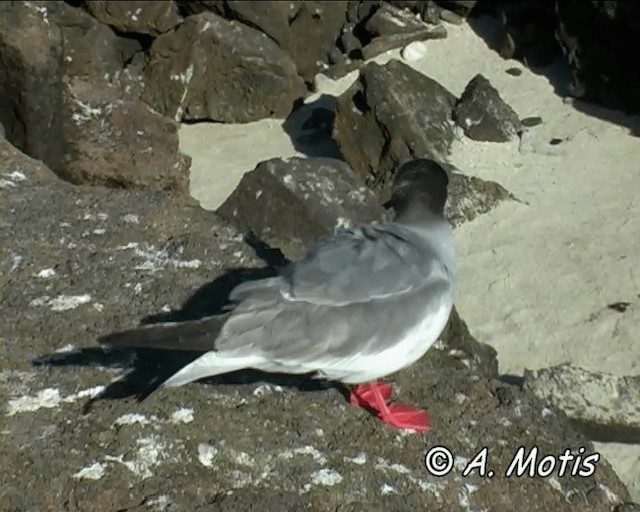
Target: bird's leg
x: 370, y: 395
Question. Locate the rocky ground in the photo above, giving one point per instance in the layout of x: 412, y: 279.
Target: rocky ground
x: 99, y: 233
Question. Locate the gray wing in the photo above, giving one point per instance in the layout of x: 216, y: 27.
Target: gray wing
x: 358, y: 289
x: 357, y: 265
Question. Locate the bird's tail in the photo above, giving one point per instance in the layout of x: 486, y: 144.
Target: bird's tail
x: 211, y: 364
x: 194, y: 335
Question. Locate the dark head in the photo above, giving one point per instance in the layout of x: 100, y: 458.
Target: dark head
x: 419, y: 185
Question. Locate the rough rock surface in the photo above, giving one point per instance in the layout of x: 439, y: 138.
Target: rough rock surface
x: 13, y: 164
x: 80, y: 112
x: 390, y: 114
x: 30, y: 80
x: 296, y: 201
x: 318, y: 24
x: 390, y: 27
x: 606, y: 407
x: 114, y: 141
x: 528, y: 31
x: 600, y: 40
x: 78, y: 262
x: 461, y: 7
x: 431, y: 10
x: 152, y: 18
x: 91, y: 50
x: 470, y: 196
x: 211, y: 68
x: 484, y: 115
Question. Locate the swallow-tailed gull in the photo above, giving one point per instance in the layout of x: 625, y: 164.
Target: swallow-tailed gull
x: 362, y: 304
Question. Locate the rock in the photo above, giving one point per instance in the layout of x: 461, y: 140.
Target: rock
x: 321, y: 119
x: 348, y: 41
x: 152, y: 18
x: 110, y: 137
x: 31, y: 80
x: 605, y: 407
x: 290, y: 203
x: 317, y: 24
x: 599, y: 42
x: 470, y: 196
x: 18, y: 167
x: 385, y: 43
x: 80, y: 114
x: 113, y: 141
x: 457, y: 339
x: 460, y: 7
x: 393, y: 113
x: 430, y: 13
x: 90, y: 49
x: 359, y: 12
x: 390, y: 114
x: 79, y: 262
x: 528, y: 32
x: 483, y: 114
x: 389, y: 20
x: 450, y: 17
x: 530, y: 122
x: 390, y: 28
x: 628, y: 507
x: 211, y: 68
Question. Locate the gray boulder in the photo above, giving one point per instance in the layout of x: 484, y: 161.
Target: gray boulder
x: 290, y: 203
x: 152, y: 18
x: 306, y: 31
x: 72, y: 101
x: 211, y: 68
x: 484, y: 115
x: 390, y: 114
x: 606, y: 407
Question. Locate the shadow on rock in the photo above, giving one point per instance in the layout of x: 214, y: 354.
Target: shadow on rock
x: 589, y: 90
x: 149, y: 368
x: 310, y: 126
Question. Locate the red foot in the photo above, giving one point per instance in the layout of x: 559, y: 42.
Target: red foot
x: 376, y: 397
x: 405, y: 417
x: 370, y: 396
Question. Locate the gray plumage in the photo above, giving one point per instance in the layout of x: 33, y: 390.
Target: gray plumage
x: 362, y: 304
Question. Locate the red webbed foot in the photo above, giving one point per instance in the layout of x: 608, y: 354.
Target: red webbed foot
x: 370, y: 396
x: 376, y: 397
x: 405, y: 417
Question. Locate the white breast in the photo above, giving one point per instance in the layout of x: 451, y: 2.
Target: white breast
x: 403, y: 353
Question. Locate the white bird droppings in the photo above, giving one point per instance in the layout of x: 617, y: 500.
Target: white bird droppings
x: 206, y: 454
x: 45, y: 273
x: 326, y: 477
x: 47, y: 398
x: 61, y: 302
x: 132, y: 419
x: 359, y: 459
x: 183, y: 415
x: 316, y: 455
x: 94, y: 472
x: 151, y: 450
x: 387, y: 489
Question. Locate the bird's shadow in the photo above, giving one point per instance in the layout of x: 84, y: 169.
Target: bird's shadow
x: 147, y: 369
